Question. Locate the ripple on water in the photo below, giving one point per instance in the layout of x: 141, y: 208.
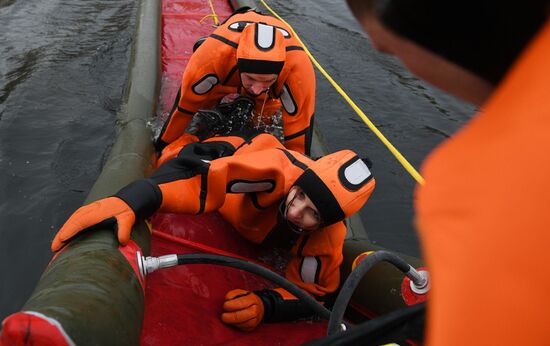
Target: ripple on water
x: 63, y: 70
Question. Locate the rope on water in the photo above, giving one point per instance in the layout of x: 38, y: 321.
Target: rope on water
x: 404, y: 162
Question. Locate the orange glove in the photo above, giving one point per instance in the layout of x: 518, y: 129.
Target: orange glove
x: 94, y: 213
x: 243, y: 310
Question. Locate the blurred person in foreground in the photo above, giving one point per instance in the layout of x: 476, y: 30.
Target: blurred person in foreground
x: 482, y: 215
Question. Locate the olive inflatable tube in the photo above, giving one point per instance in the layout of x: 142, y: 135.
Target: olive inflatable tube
x: 90, y: 293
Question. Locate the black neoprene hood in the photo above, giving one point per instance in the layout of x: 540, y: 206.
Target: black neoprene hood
x: 322, y: 198
x: 484, y: 37
x: 260, y: 66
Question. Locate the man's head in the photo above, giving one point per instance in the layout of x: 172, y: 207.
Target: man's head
x: 333, y: 188
x: 462, y: 47
x: 256, y: 83
x: 261, y: 56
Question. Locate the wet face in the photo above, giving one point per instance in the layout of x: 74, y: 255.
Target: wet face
x: 301, y: 211
x: 256, y: 83
x: 427, y: 65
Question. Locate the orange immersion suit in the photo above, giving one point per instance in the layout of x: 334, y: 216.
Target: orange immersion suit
x: 484, y: 219
x: 246, y: 179
x: 213, y: 72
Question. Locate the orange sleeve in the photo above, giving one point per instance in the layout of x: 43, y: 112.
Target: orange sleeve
x: 172, y: 150
x: 315, y: 266
x: 200, y: 87
x: 298, y: 99
x: 191, y: 185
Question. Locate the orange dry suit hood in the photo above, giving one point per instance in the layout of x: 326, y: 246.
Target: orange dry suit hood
x: 338, y: 184
x: 261, y: 49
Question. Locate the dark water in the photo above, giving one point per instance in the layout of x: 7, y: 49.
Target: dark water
x: 63, y: 71
x: 410, y: 113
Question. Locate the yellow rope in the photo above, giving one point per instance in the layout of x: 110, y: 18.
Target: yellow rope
x: 412, y: 171
x: 213, y: 14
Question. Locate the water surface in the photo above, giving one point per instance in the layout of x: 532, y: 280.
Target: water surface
x: 63, y: 71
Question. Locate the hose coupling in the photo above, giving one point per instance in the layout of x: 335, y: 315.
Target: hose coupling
x: 420, y: 283
x: 149, y: 264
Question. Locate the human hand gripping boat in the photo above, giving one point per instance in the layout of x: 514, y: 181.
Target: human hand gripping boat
x: 97, y: 291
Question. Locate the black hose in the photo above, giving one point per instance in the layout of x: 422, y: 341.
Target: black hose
x: 336, y: 317
x: 394, y: 327
x: 341, y: 303
x: 261, y: 271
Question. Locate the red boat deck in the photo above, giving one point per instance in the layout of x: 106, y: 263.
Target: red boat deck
x: 183, y: 304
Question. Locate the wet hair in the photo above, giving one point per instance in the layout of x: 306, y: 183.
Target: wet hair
x: 484, y: 37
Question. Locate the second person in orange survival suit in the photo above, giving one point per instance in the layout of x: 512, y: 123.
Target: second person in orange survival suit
x: 271, y: 195
x: 483, y: 212
x: 254, y: 55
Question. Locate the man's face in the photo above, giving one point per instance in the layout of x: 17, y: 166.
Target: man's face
x: 256, y: 83
x: 301, y: 211
x: 427, y: 65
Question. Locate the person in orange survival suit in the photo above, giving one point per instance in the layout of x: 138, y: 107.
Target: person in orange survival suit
x: 253, y: 55
x: 267, y: 193
x: 486, y: 187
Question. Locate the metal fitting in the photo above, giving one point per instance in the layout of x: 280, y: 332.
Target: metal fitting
x: 147, y: 265
x: 420, y: 281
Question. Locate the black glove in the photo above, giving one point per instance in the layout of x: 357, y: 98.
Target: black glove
x: 206, y: 123
x: 223, y: 119
x: 238, y: 114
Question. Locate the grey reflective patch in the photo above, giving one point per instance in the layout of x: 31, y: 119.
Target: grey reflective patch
x: 287, y: 101
x: 242, y: 187
x: 357, y: 172
x: 265, y: 36
x: 239, y: 26
x: 205, y: 85
x: 285, y: 33
x: 309, y: 269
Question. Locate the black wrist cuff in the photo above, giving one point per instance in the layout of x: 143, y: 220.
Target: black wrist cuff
x: 277, y: 309
x: 143, y: 196
x: 159, y: 145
